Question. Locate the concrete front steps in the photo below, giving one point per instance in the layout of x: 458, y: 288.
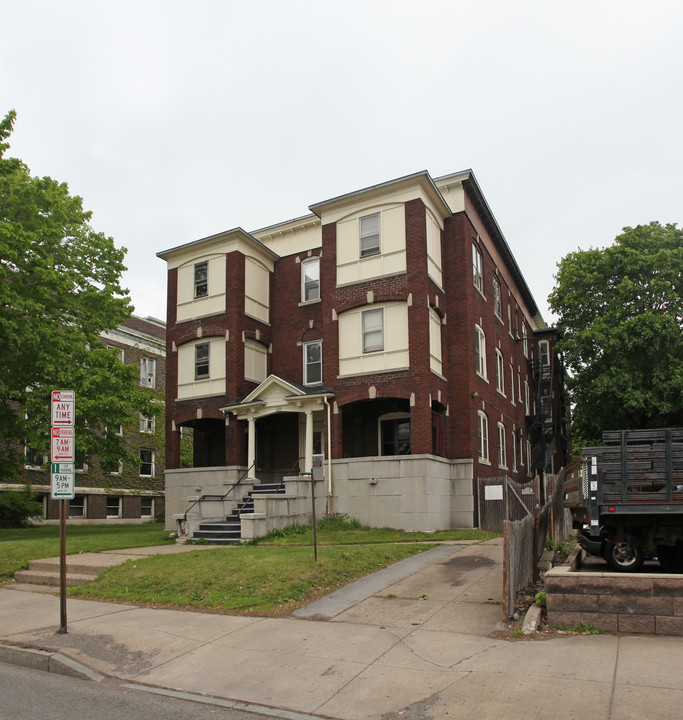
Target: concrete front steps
x: 229, y: 531
x: 79, y: 569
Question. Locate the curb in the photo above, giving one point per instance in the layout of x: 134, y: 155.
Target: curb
x: 47, y: 661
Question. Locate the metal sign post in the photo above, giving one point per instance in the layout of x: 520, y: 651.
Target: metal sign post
x: 62, y: 474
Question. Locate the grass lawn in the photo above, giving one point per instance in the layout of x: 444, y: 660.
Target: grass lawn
x: 18, y: 546
x: 242, y: 580
x: 271, y: 576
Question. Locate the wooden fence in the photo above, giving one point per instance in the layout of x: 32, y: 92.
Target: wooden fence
x: 524, y: 540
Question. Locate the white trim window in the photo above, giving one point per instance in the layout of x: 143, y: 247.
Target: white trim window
x: 113, y: 507
x: 500, y: 372
x: 544, y: 352
x: 201, y: 361
x: 512, y: 384
x: 146, y: 462
x: 33, y: 460
x: 525, y: 341
x: 373, y: 330
x: 313, y: 362
x: 147, y: 424
x: 369, y: 235
x: 146, y: 507
x: 497, y: 301
x: 310, y: 279
x: 78, y: 507
x: 502, y: 450
x: 477, y: 268
x: 527, y: 406
x: 483, y: 435
x: 513, y: 445
x: 480, y: 351
x: 148, y: 372
x: 201, y: 279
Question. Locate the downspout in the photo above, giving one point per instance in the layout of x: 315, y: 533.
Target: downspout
x: 329, y: 449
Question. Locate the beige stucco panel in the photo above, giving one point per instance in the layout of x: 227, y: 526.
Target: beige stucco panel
x: 257, y: 290
x: 187, y: 385
x: 190, y: 307
x: 392, y: 257
x: 395, y: 355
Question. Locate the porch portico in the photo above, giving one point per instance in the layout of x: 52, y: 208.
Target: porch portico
x: 275, y: 396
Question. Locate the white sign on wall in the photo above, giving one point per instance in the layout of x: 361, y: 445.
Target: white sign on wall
x: 493, y: 492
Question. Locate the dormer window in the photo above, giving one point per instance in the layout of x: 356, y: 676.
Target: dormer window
x: 369, y: 235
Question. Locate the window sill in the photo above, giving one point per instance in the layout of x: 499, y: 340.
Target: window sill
x: 310, y: 302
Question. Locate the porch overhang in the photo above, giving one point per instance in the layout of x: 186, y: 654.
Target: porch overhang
x: 275, y: 395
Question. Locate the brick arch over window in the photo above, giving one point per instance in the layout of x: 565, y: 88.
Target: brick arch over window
x: 378, y: 297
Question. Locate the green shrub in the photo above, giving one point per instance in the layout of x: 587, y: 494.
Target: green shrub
x: 540, y: 598
x: 17, y: 507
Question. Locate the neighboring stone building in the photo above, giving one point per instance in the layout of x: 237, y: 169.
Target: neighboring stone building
x: 126, y: 493
x: 389, y: 336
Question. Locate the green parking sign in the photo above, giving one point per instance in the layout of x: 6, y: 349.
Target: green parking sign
x: 62, y: 481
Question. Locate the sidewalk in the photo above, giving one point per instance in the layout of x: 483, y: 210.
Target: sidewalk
x: 414, y: 642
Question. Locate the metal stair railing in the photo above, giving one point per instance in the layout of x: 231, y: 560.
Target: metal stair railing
x: 216, y: 498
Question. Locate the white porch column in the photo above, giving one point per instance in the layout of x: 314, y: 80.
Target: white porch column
x: 308, y: 448
x: 251, y: 447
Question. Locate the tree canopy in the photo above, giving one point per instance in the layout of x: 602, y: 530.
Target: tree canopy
x: 60, y: 288
x: 620, y: 324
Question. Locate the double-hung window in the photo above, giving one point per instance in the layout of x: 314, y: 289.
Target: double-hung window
x: 310, y: 279
x: 146, y: 462
x: 483, y: 435
x: 497, y: 301
x: 373, y: 330
x: 113, y: 507
x: 369, y: 235
x: 477, y: 268
x: 313, y: 362
x: 480, y: 351
x: 201, y: 361
x: 502, y: 453
x: 148, y: 372
x: 147, y: 424
x: 500, y: 372
x: 201, y: 279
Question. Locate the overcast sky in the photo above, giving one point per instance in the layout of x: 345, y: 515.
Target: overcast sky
x: 177, y: 120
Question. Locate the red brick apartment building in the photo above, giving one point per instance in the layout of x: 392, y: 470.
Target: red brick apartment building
x: 388, y: 336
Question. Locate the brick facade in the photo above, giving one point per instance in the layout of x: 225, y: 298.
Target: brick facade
x: 443, y: 404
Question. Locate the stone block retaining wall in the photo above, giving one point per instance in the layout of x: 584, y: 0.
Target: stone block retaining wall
x: 615, y: 602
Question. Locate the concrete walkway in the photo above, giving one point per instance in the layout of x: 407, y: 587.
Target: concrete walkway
x: 416, y: 643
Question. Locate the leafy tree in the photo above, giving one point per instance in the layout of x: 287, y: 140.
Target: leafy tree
x: 621, y: 330
x: 59, y: 289
x: 17, y: 508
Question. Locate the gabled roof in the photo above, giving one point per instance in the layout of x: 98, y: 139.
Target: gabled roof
x: 274, y: 389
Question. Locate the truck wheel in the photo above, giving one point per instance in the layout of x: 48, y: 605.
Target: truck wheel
x: 623, y: 557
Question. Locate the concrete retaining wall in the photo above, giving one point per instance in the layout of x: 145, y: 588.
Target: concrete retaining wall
x: 616, y: 602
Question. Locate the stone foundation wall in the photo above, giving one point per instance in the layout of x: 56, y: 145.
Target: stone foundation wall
x: 615, y: 602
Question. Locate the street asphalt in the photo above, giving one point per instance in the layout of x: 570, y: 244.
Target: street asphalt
x: 421, y: 640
